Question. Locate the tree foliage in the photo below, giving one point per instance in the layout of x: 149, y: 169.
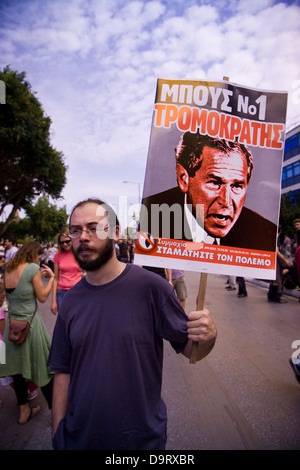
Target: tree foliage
x: 20, y: 230
x: 289, y: 211
x: 30, y: 165
x: 46, y: 220
x: 43, y: 222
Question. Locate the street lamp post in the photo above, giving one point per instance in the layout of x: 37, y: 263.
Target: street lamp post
x: 139, y: 203
x: 139, y: 188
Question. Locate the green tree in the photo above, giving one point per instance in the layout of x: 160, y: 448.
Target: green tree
x: 30, y: 166
x: 289, y: 211
x: 46, y: 220
x: 20, y: 230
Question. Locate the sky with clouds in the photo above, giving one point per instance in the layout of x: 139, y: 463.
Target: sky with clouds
x: 94, y: 66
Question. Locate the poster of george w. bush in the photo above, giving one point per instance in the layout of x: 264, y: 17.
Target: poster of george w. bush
x: 212, y: 186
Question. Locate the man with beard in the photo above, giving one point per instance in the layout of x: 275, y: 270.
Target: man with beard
x: 107, y: 348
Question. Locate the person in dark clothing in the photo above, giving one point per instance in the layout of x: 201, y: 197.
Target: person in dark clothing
x: 124, y: 252
x: 107, y: 347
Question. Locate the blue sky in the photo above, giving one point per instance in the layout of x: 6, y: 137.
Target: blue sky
x: 94, y: 66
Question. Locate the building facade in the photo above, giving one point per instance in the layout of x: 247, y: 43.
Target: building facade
x: 290, y: 182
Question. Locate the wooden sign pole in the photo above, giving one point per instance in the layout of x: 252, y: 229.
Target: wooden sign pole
x: 200, y: 306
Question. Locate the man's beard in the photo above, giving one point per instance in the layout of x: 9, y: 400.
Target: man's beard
x: 104, y: 255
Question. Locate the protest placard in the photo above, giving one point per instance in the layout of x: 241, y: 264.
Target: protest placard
x: 212, y: 187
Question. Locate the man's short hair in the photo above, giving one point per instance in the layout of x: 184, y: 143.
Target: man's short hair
x: 190, y: 147
x: 112, y: 218
x: 11, y: 240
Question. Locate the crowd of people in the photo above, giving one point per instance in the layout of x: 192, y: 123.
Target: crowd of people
x: 82, y: 260
x: 288, y: 264
x: 99, y: 272
x: 287, y: 268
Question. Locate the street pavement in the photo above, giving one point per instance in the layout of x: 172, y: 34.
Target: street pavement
x: 243, y: 396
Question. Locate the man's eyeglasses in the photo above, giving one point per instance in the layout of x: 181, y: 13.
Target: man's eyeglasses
x: 91, y: 231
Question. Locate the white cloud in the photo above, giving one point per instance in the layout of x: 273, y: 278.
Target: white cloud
x: 94, y: 65
x: 254, y: 6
